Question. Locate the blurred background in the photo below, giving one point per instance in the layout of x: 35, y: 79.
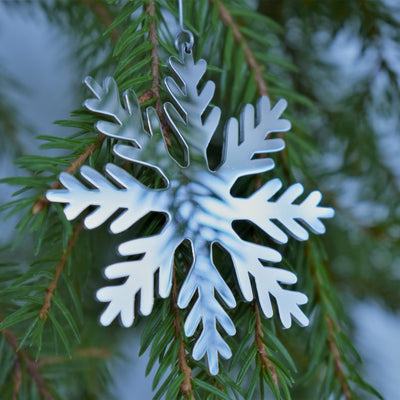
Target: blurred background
x: 349, y: 70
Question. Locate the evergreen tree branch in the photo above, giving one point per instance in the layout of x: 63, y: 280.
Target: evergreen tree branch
x: 227, y: 19
x: 17, y: 377
x: 186, y: 386
x: 322, y: 296
x: 31, y: 365
x: 102, y: 13
x: 155, y: 71
x: 91, y: 352
x: 258, y: 335
x: 59, y: 269
x: 340, y: 373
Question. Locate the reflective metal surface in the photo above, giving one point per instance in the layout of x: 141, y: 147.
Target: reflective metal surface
x: 198, y: 204
x: 184, y: 38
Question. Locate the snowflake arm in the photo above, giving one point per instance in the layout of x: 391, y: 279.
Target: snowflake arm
x: 128, y: 123
x: 195, y: 132
x: 246, y: 259
x: 260, y: 210
x: 157, y: 150
x: 144, y: 147
x: 241, y: 145
x: 158, y: 255
x: 204, y: 279
x: 136, y: 199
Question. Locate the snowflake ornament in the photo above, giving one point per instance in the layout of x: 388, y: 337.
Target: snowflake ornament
x: 198, y: 204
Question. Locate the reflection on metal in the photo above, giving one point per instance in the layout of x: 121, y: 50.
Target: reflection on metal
x: 198, y: 205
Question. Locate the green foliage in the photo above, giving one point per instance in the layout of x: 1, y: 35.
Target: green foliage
x: 288, y: 44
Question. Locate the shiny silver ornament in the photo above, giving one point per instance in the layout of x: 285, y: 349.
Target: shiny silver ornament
x: 198, y: 204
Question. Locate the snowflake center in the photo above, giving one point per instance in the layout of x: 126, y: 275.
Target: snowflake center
x: 190, y: 205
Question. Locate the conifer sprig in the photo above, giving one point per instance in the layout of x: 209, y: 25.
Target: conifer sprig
x: 31, y: 366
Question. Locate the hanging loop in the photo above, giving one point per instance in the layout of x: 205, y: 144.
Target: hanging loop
x: 184, y: 38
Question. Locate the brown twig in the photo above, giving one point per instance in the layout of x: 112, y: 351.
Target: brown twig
x: 31, y: 366
x: 155, y: 71
x: 338, y: 359
x: 59, y: 269
x: 17, y: 377
x: 249, y: 56
x: 103, y: 14
x: 258, y: 335
x: 186, y: 386
x: 322, y: 296
x: 91, y: 352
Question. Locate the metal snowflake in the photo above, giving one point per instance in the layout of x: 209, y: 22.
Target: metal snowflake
x: 198, y: 204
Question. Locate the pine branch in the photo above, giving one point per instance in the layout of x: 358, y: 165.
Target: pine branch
x: 17, y: 378
x: 102, y: 13
x: 227, y: 19
x: 186, y: 386
x: 340, y: 373
x: 321, y: 281
x: 155, y: 71
x: 59, y: 269
x: 90, y: 352
x: 31, y: 366
x: 258, y: 335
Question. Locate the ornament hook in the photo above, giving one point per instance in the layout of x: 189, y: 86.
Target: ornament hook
x: 184, y: 37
